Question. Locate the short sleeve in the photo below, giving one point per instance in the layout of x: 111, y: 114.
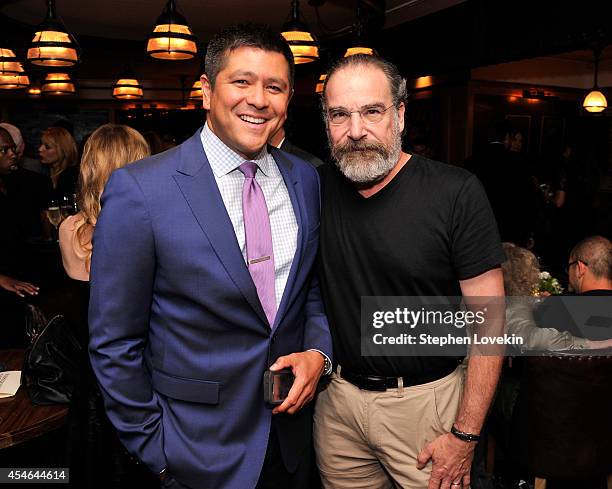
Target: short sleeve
x: 475, y: 242
x: 74, y: 256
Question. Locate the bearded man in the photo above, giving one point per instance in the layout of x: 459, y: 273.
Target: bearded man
x: 396, y: 224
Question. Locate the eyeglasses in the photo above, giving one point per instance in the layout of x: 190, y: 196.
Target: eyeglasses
x: 5, y: 149
x: 572, y: 263
x: 370, y: 114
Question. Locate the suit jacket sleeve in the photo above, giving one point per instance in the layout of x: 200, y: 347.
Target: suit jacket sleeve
x: 317, y: 335
x: 122, y: 274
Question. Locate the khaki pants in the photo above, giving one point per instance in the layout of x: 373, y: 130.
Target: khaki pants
x: 371, y: 440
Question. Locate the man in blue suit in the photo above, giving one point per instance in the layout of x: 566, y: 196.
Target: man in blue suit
x: 184, y: 318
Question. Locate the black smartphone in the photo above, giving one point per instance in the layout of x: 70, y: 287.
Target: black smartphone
x: 277, y: 385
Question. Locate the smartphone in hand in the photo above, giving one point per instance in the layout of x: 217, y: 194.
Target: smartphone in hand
x: 277, y: 385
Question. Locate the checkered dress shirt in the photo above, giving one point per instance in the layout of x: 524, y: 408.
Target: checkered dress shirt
x: 224, y: 163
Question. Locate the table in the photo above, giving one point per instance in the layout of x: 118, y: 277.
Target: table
x: 19, y: 420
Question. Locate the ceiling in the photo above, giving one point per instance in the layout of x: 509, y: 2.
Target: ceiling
x: 446, y: 36
x: 568, y: 70
x: 133, y: 19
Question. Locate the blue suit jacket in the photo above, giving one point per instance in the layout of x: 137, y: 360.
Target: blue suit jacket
x: 179, y: 340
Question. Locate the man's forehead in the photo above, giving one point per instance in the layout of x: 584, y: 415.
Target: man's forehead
x: 233, y: 59
x: 358, y: 84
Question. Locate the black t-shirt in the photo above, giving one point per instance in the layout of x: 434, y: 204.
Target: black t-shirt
x: 430, y: 227
x: 67, y: 183
x: 567, y: 313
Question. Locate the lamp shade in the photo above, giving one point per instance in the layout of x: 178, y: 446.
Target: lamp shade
x: 320, y: 83
x: 13, y: 82
x: 52, y: 44
x: 172, y: 38
x: 595, y: 101
x: 58, y: 84
x: 302, y: 42
x: 359, y: 50
x: 196, y: 90
x: 34, y: 90
x: 12, y: 76
x: 303, y: 46
x: 127, y: 88
x: 9, y: 64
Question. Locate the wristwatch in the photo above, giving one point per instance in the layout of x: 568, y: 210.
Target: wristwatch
x: 327, y: 365
x: 463, y: 436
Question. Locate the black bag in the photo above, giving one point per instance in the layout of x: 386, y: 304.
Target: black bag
x: 54, y: 361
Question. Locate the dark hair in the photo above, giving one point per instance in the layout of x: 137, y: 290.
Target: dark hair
x: 244, y: 35
x: 397, y: 84
x: 597, y: 252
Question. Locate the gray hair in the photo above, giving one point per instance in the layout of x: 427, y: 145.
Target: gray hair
x: 397, y: 84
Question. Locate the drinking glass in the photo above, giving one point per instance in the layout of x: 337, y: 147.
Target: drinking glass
x: 54, y: 214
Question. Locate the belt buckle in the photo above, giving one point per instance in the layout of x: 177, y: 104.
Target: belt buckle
x: 375, y: 384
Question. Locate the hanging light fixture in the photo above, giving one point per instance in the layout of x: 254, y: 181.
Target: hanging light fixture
x: 13, y: 82
x: 35, y: 90
x: 320, y: 83
x: 127, y: 86
x: 12, y: 75
x: 58, y: 84
x: 172, y: 37
x: 196, y: 90
x: 303, y: 43
x: 195, y: 93
x: 52, y: 44
x: 360, y: 45
x: 595, y: 101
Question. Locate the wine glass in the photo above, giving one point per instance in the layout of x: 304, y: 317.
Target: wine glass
x: 54, y: 215
x: 65, y: 207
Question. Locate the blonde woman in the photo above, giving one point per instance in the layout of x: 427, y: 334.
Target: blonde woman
x: 59, y: 150
x: 110, y: 147
x: 97, y: 458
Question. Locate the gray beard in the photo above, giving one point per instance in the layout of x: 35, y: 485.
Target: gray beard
x: 365, y: 162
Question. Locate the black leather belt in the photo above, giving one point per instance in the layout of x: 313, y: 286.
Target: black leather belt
x: 381, y: 384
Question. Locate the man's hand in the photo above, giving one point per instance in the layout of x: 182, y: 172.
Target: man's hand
x: 451, y: 462
x: 17, y: 286
x: 307, y: 367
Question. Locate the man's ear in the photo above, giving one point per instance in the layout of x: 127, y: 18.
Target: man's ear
x: 400, y: 112
x: 581, y: 269
x: 206, y: 92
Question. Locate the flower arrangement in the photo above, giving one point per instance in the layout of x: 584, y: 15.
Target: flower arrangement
x: 547, y: 285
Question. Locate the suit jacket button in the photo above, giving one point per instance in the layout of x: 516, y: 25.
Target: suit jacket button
x: 273, y: 338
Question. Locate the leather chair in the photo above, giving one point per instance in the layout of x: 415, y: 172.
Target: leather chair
x: 562, y: 422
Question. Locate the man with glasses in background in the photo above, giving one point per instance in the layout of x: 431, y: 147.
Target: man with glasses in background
x: 589, y: 273
x: 395, y: 224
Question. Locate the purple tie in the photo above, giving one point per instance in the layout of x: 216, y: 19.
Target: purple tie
x: 260, y: 256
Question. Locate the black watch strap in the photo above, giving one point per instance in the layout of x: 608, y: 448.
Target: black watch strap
x: 462, y: 435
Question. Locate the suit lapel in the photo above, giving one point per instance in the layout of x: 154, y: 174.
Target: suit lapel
x: 296, y: 196
x: 197, y: 184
